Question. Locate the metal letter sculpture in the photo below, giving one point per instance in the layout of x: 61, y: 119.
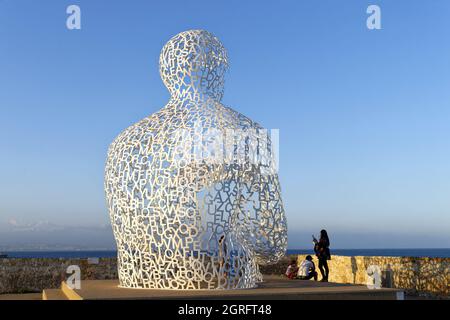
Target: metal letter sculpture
x: 192, y: 190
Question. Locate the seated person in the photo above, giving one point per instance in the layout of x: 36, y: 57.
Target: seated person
x: 292, y: 270
x: 307, y: 269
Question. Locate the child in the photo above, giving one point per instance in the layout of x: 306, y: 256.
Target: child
x: 292, y: 270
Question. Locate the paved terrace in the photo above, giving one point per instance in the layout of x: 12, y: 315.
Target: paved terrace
x: 273, y: 287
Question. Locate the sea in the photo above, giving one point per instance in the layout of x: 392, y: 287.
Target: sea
x: 432, y: 253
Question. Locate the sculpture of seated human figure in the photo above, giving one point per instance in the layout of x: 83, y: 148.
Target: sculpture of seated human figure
x: 190, y: 206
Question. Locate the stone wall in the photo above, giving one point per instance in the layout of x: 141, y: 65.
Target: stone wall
x: 35, y: 274
x: 418, y: 276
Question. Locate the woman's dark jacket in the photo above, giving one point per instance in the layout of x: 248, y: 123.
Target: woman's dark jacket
x: 322, y: 249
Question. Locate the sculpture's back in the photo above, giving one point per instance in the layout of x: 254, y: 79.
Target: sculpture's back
x: 189, y: 206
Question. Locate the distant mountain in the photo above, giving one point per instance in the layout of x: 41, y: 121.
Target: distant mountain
x: 48, y: 236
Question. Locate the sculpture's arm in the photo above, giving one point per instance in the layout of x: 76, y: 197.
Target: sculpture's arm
x: 271, y: 225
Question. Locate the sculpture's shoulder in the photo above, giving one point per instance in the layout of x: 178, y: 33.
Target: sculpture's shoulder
x: 156, y: 126
x: 142, y: 131
x: 234, y: 119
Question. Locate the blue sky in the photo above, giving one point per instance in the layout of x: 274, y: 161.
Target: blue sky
x: 364, y: 115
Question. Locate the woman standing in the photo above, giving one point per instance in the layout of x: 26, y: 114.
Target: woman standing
x: 322, y: 250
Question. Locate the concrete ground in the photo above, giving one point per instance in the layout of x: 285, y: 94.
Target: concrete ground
x: 273, y: 287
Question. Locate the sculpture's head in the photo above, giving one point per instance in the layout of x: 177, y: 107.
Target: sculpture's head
x: 193, y: 64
